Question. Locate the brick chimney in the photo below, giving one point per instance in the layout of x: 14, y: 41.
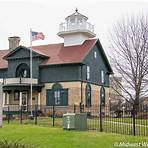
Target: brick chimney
x: 14, y: 42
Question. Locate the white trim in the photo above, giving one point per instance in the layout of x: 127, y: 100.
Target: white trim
x: 39, y: 98
x: 7, y: 99
x: 20, y: 99
x: 4, y: 98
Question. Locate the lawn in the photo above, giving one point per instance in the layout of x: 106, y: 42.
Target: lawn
x: 113, y: 125
x: 129, y: 120
x: 49, y: 137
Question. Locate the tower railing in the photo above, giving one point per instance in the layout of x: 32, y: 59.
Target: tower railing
x: 76, y: 26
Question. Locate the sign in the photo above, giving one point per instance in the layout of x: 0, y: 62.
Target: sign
x: 102, y: 96
x: 1, y: 102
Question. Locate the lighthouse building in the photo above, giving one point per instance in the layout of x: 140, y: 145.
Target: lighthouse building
x: 63, y: 74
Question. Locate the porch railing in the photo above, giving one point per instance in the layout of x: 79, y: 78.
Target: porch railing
x: 19, y: 81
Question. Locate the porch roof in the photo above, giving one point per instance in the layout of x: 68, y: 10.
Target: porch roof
x: 22, y: 87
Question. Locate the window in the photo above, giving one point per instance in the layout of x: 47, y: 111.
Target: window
x: 88, y: 95
x: 102, y: 76
x: 80, y: 21
x: 25, y: 73
x: 23, y: 70
x: 57, y: 97
x: 16, y: 95
x: 95, y: 54
x: 88, y: 72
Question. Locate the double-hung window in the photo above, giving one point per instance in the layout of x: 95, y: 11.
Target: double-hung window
x: 57, y: 97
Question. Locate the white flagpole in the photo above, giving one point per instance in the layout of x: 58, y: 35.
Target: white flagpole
x: 31, y: 71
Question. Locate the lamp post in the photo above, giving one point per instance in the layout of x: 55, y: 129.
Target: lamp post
x: 123, y: 108
x: 102, y: 95
x: 102, y: 103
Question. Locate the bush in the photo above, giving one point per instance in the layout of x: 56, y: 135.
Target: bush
x: 142, y: 116
x: 58, y: 114
x: 7, y: 144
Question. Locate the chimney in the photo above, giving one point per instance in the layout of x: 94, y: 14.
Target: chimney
x: 14, y: 42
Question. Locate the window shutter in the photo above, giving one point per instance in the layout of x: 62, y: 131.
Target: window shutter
x: 64, y: 97
x: 50, y: 98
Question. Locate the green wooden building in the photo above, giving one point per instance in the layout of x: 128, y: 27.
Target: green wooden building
x: 63, y: 74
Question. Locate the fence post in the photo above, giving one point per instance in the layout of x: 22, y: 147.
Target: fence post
x: 101, y: 129
x: 134, y: 121
x: 36, y: 114
x: 8, y: 114
x: 53, y: 115
x: 21, y: 115
x: 81, y: 107
x: 74, y: 108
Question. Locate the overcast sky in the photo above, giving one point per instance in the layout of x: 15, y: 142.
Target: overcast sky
x: 17, y: 17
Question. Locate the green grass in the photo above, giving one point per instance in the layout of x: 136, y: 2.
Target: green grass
x: 129, y: 120
x: 11, y: 144
x: 114, y: 125
x: 49, y: 137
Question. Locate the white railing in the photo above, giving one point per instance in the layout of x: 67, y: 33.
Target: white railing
x: 74, y: 26
x: 28, y: 80
x: 20, y: 81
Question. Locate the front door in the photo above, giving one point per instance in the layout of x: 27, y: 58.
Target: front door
x: 24, y: 100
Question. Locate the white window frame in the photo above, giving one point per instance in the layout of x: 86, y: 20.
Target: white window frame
x: 95, y: 54
x: 57, y: 96
x: 88, y: 72
x: 102, y: 77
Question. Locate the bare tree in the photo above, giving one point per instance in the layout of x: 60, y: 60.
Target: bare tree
x: 129, y: 42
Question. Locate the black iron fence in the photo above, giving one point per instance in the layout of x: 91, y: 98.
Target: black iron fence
x: 123, y: 120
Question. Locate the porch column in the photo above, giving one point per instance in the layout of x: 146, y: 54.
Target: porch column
x: 4, y: 97
x: 8, y: 98
x: 39, y: 99
x: 20, y: 99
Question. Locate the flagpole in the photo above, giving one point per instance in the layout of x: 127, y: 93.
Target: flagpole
x: 31, y: 72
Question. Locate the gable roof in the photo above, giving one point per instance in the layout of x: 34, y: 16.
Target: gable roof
x: 57, y: 53
x: 65, y: 55
x: 110, y: 71
x: 20, y: 47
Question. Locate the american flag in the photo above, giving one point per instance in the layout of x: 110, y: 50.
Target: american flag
x: 37, y: 35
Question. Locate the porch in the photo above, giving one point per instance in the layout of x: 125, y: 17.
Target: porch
x: 19, y: 95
